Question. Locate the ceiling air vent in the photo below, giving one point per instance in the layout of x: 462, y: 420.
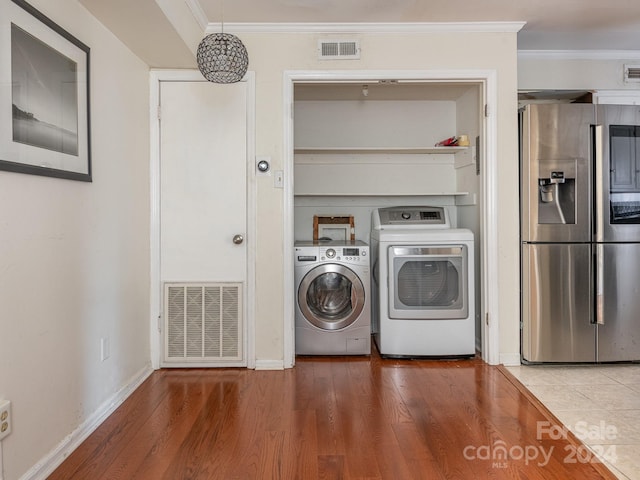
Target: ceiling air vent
x: 338, y: 49
x: 632, y: 73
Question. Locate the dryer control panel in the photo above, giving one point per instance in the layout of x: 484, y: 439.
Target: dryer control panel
x: 423, y: 217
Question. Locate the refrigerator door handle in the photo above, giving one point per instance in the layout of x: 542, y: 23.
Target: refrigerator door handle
x: 599, y: 284
x: 598, y: 214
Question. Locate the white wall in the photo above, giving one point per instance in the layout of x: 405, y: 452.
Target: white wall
x: 361, y: 208
x: 74, y: 262
x: 349, y: 183
x: 373, y: 124
x: 575, y: 70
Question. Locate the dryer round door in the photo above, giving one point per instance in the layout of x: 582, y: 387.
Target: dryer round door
x: 331, y: 296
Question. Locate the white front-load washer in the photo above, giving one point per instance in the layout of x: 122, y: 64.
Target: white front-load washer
x: 423, y: 284
x: 333, y: 298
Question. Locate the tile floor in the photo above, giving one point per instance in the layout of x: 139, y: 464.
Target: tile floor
x: 600, y: 404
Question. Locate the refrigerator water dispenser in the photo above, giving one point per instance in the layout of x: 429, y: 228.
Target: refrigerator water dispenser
x: 557, y: 200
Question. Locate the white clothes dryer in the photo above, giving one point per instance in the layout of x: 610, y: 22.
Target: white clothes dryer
x: 423, y: 284
x: 333, y: 298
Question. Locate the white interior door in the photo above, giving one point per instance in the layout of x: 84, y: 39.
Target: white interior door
x: 203, y: 222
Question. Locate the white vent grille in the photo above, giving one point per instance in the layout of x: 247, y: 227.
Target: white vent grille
x: 632, y: 73
x: 338, y: 49
x: 203, y: 322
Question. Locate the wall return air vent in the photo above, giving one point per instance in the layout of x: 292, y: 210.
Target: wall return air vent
x: 203, y: 322
x: 338, y: 49
x: 632, y: 73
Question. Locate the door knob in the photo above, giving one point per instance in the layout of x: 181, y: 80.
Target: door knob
x: 238, y: 239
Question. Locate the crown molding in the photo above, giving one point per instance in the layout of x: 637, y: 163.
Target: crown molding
x: 198, y: 13
x: 399, y: 27
x: 619, y: 55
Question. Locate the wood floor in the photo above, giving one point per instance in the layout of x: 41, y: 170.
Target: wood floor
x: 332, y: 418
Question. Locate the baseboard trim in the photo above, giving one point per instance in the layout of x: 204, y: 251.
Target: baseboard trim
x: 269, y: 364
x: 51, y: 461
x: 510, y: 359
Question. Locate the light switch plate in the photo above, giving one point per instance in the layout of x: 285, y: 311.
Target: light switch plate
x: 278, y: 179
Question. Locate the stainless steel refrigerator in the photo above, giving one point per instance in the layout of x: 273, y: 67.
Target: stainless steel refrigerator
x: 580, y: 233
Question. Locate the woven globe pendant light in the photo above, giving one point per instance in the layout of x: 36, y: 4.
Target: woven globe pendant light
x: 222, y: 58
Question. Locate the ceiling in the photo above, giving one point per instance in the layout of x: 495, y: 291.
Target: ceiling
x: 164, y: 33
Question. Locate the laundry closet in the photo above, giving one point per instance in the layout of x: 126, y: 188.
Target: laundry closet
x: 363, y: 146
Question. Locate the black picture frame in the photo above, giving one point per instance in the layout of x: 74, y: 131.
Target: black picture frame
x: 44, y: 96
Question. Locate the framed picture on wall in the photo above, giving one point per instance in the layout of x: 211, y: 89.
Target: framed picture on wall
x: 44, y: 96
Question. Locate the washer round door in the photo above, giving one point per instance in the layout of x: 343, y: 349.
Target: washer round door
x: 331, y: 296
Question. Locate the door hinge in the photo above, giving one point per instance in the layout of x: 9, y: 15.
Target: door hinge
x: 486, y: 319
x: 160, y: 323
x: 486, y: 109
x: 159, y: 112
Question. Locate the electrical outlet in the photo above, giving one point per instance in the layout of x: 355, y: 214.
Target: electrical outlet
x: 5, y: 418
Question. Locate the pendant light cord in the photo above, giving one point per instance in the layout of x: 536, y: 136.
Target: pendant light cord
x: 221, y: 16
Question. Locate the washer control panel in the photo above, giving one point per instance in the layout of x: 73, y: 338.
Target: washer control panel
x: 357, y: 255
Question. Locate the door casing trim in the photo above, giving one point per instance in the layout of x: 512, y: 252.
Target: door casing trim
x: 490, y: 334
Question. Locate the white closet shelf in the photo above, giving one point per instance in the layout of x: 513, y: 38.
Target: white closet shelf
x: 377, y: 194
x: 436, y: 150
